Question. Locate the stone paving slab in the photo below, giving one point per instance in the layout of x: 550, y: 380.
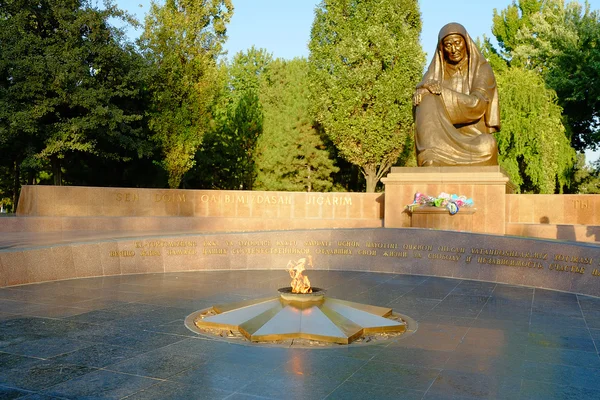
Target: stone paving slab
x: 123, y: 337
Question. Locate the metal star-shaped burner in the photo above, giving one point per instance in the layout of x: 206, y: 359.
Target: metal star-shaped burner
x: 309, y: 316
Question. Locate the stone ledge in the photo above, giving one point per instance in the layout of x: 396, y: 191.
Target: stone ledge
x: 442, y: 210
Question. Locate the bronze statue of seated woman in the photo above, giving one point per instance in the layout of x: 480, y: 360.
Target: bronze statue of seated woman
x: 456, y: 105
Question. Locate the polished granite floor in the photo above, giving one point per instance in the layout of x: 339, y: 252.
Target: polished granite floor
x: 124, y: 337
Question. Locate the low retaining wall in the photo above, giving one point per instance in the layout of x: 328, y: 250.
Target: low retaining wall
x: 553, y: 209
x: 573, y: 267
x: 72, y: 208
x: 79, y: 201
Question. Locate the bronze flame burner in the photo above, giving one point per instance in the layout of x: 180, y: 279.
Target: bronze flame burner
x: 317, y: 295
x: 310, y: 316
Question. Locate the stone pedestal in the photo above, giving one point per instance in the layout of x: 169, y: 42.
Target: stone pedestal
x: 440, y: 218
x: 487, y: 186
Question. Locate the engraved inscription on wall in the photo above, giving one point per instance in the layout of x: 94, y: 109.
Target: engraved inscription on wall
x: 351, y: 251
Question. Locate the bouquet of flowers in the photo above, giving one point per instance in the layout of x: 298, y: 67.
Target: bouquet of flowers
x: 452, y: 202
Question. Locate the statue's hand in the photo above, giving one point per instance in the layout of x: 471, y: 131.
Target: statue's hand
x: 418, y: 96
x: 433, y: 87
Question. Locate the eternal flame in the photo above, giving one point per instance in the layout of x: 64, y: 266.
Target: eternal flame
x: 456, y: 105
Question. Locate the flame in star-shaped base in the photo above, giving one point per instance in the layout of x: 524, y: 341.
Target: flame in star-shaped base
x: 328, y: 320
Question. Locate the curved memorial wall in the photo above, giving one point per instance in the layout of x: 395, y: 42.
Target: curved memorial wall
x: 566, y: 266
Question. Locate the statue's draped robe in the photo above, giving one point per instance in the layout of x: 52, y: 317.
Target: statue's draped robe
x: 455, y: 128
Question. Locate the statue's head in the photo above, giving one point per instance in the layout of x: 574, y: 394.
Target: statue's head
x: 453, y: 42
x: 454, y: 48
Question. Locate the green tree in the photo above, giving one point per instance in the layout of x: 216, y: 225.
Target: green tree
x: 560, y: 40
x: 585, y: 177
x: 248, y: 71
x: 532, y: 144
x: 183, y: 41
x: 508, y: 22
x: 365, y: 61
x: 69, y: 84
x: 226, y: 159
x: 292, y: 154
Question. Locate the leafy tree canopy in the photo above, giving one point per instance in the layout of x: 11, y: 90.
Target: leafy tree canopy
x: 560, y: 40
x: 365, y: 61
x: 532, y: 144
x: 69, y: 85
x: 183, y: 40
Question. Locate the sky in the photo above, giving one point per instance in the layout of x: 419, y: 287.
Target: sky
x: 282, y: 27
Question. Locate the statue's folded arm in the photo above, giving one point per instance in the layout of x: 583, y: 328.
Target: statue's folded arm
x: 465, y: 108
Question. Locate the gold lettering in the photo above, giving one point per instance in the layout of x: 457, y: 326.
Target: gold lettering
x: 348, y: 243
x: 448, y: 249
x: 127, y: 197
x: 509, y: 262
x: 381, y: 245
x: 567, y: 268
x: 421, y: 247
x: 163, y: 243
x: 367, y: 252
x: 509, y: 253
x: 573, y: 259
x: 208, y: 252
x: 317, y: 243
x: 399, y: 254
x: 443, y: 257
x: 581, y: 204
x: 266, y: 250
x: 121, y: 253
x: 170, y: 197
x: 334, y: 252
x: 254, y: 243
x: 286, y: 243
x: 181, y: 252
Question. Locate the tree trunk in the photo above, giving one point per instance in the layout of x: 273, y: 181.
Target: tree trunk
x: 31, y: 177
x: 16, y: 184
x: 56, y: 171
x: 370, y: 173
